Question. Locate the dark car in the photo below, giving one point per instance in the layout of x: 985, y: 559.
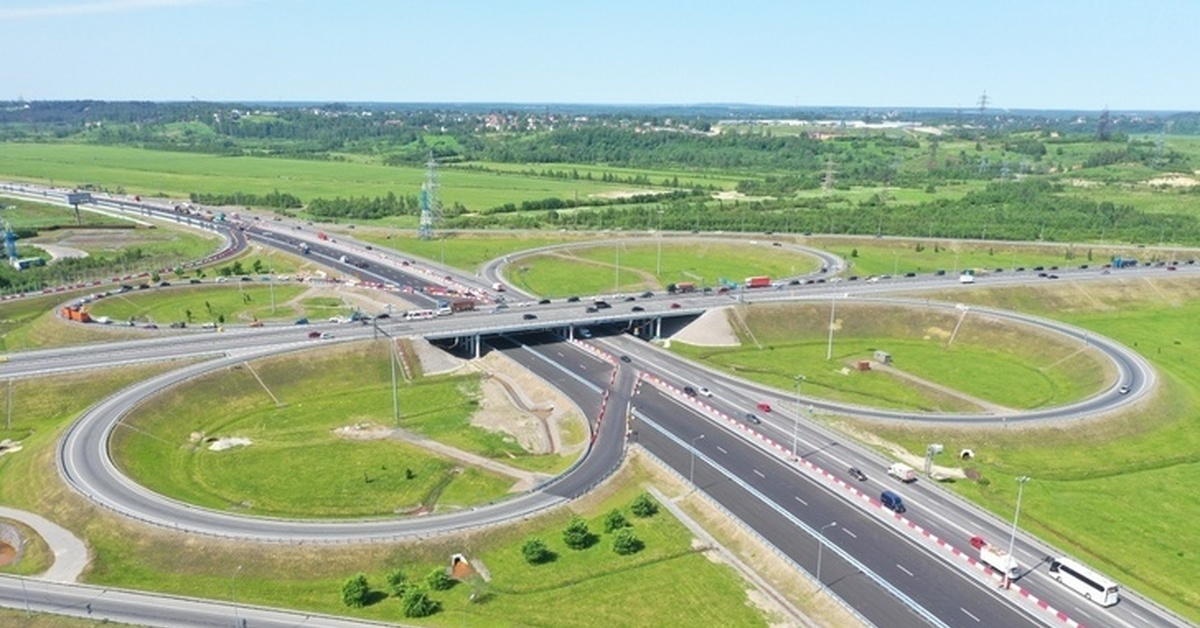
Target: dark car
x: 591, y: 309
x: 675, y: 306
x: 628, y: 299
x: 544, y: 302
x: 910, y: 274
x: 857, y: 474
x: 637, y: 308
x: 626, y: 359
x: 193, y: 281
x: 753, y: 418
x: 601, y: 305
x: 688, y: 390
x: 647, y: 294
x: 527, y: 316
x: 383, y: 315
x: 314, y: 334
x: 572, y: 299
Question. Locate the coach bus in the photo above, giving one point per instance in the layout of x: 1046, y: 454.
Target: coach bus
x: 1084, y: 581
x: 419, y: 315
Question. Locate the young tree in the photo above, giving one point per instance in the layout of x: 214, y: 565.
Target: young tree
x: 625, y: 543
x: 355, y: 591
x: 615, y: 520
x: 535, y: 551
x: 643, y: 506
x: 397, y: 582
x: 577, y: 536
x: 438, y: 580
x: 417, y: 604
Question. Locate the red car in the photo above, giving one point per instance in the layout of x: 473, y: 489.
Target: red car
x: 675, y: 306
x: 764, y: 406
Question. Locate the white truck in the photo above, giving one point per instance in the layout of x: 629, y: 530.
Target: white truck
x: 966, y: 278
x: 999, y: 560
x: 902, y: 472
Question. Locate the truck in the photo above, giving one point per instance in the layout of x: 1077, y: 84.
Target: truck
x: 498, y: 287
x: 462, y: 305
x: 999, y: 560
x: 966, y: 278
x: 761, y: 281
x: 1123, y: 262
x: 902, y: 472
x: 75, y: 313
x: 685, y: 286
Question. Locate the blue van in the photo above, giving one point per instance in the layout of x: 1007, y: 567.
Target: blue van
x: 892, y: 501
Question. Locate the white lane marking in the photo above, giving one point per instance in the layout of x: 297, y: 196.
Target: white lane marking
x: 801, y: 501
x: 853, y: 536
x: 969, y: 614
x: 910, y: 574
x: 759, y: 473
x: 721, y: 449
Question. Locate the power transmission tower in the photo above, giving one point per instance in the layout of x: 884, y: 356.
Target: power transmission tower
x: 431, y: 207
x: 983, y: 103
x: 1103, y: 133
x: 828, y: 177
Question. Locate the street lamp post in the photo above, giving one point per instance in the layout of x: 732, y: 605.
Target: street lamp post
x: 1012, y: 539
x: 821, y: 546
x: 658, y: 265
x: 832, y: 313
x: 233, y: 595
x: 692, y: 468
x: 796, y: 421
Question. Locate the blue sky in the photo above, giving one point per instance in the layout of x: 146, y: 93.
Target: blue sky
x: 1026, y: 54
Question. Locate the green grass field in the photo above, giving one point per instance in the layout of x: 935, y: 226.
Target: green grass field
x: 177, y: 174
x: 298, y: 464
x: 793, y: 341
x: 234, y: 302
x: 465, y: 250
x: 593, y: 269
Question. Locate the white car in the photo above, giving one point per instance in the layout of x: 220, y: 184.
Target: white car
x: 705, y: 391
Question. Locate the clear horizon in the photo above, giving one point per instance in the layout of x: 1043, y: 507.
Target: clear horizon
x: 937, y: 54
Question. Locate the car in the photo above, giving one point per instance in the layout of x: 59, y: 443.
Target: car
x: 626, y: 359
x: 647, y: 294
x: 688, y: 390
x: 940, y: 273
x: 794, y: 282
x: 193, y: 281
x: 910, y: 274
x: 572, y: 299
x: 584, y: 332
x: 1124, y: 390
x: 382, y: 315
x: 602, y: 305
x: 1170, y: 268
x: 675, y: 306
x: 764, y: 406
x: 314, y: 334
x: 527, y: 316
x: 629, y: 299
x: 544, y: 302
x: 705, y: 391
x: 857, y: 474
x: 637, y: 308
x: 591, y: 309
x: 149, y: 326
x: 753, y: 418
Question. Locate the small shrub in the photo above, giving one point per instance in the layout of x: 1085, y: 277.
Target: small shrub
x: 577, y: 536
x: 625, y: 543
x: 535, y: 551
x: 615, y: 520
x: 438, y: 580
x: 417, y: 604
x: 397, y: 582
x: 643, y: 506
x: 355, y: 591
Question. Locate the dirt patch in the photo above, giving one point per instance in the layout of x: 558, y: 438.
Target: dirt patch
x: 8, y: 554
x: 9, y: 446
x: 711, y: 329
x: 1174, y: 181
x: 619, y: 194
x: 521, y: 405
x: 364, y: 431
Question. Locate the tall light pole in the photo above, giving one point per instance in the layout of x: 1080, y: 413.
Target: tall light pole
x: 832, y: 311
x: 617, y: 276
x: 821, y: 546
x: 658, y: 265
x: 692, y: 469
x: 233, y: 595
x: 1012, y: 539
x: 796, y: 422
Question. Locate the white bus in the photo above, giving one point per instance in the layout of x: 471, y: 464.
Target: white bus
x: 419, y: 315
x: 1084, y: 581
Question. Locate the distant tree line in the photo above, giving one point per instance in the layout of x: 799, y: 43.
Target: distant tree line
x: 276, y: 199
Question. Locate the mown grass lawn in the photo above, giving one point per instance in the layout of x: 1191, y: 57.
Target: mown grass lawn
x: 233, y: 302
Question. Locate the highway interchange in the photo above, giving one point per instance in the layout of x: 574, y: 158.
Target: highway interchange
x: 892, y: 570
